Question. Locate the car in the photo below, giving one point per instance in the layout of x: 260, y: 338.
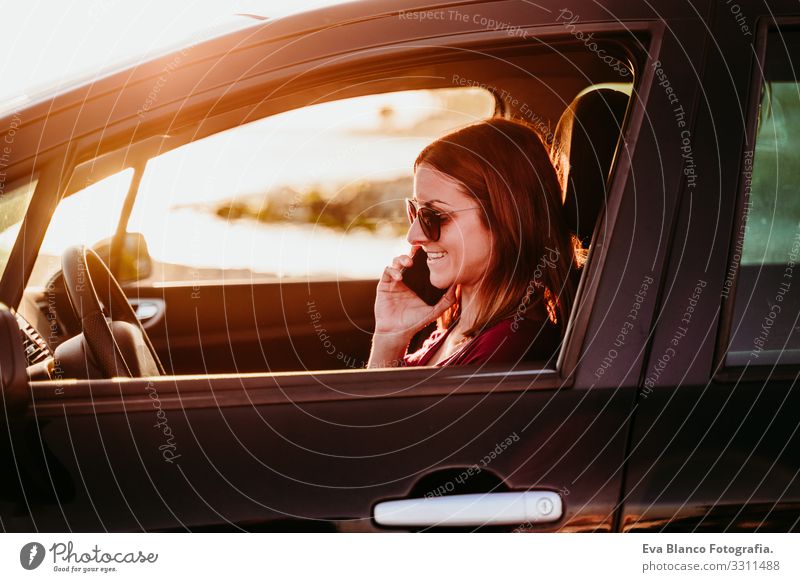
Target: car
x: 233, y: 393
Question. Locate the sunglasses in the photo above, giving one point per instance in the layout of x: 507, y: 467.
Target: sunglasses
x: 430, y: 219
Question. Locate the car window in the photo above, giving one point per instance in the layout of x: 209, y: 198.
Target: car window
x: 13, y: 206
x: 87, y: 217
x: 764, y: 328
x: 299, y: 194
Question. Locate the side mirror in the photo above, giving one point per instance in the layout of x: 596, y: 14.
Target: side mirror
x: 127, y: 256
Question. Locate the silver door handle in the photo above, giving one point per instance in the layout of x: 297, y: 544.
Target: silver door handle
x: 475, y: 509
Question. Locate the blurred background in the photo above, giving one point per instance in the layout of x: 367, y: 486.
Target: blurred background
x: 314, y: 192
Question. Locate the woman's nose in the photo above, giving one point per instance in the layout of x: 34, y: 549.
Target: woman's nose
x: 415, y: 235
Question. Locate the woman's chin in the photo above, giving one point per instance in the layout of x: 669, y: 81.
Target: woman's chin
x: 440, y: 282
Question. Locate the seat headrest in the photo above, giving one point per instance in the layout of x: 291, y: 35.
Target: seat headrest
x: 585, y: 142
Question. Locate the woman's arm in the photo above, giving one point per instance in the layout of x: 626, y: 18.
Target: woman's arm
x: 387, y: 351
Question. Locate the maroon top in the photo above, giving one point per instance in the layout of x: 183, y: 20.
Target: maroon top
x: 507, y: 342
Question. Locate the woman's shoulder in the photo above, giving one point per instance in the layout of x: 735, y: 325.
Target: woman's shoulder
x: 520, y: 330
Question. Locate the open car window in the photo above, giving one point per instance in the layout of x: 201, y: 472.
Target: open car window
x: 87, y: 217
x: 314, y: 192
x: 263, y: 242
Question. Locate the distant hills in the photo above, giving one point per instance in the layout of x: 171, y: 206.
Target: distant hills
x: 376, y: 206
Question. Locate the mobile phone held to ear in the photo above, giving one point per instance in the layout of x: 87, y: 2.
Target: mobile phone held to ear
x: 417, y: 277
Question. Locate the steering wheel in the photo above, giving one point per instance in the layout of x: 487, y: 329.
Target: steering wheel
x: 120, y: 347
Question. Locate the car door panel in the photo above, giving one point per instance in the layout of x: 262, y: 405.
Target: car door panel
x: 715, y: 449
x: 269, y: 463
x: 715, y: 458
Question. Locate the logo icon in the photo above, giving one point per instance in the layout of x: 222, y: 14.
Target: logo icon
x: 31, y: 555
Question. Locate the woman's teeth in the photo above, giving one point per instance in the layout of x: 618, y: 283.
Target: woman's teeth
x: 436, y: 256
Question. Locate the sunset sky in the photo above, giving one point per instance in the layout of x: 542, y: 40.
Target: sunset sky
x: 52, y: 45
x: 47, y: 43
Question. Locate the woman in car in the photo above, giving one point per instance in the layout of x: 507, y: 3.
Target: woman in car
x: 487, y: 212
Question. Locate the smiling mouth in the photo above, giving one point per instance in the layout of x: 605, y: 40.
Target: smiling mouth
x: 433, y: 257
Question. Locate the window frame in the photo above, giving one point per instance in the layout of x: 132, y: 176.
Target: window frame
x: 736, y: 373
x: 32, y: 179
x: 51, y: 175
x: 561, y: 374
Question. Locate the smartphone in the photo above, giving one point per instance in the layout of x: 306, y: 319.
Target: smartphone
x: 417, y: 277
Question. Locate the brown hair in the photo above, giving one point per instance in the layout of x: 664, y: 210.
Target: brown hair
x: 504, y: 165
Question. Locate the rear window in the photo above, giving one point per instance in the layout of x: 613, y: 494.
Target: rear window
x: 764, y: 330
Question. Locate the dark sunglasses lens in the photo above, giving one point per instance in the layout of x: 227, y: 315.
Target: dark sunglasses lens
x: 428, y: 220
x: 411, y: 211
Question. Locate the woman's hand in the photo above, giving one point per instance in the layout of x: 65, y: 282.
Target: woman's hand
x: 399, y: 314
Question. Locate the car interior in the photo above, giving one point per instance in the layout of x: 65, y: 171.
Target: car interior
x: 245, y: 324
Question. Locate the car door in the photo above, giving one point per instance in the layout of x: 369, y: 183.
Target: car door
x: 715, y: 441
x: 321, y: 450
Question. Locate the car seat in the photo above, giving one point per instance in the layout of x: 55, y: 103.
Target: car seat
x: 583, y: 149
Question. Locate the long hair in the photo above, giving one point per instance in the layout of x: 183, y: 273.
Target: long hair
x: 504, y: 165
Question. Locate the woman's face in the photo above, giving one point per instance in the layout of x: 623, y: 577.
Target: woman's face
x: 462, y: 253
